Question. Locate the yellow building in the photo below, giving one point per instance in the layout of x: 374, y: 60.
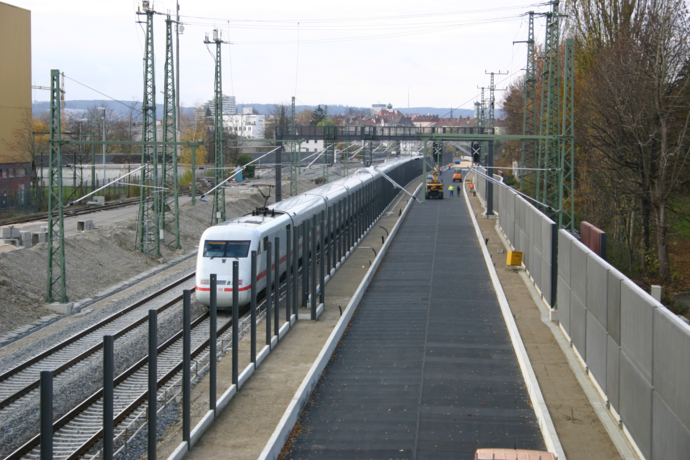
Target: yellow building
x: 15, y: 108
x: 15, y: 93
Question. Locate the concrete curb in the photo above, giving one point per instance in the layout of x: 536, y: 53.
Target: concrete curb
x: 553, y: 444
x: 282, y: 432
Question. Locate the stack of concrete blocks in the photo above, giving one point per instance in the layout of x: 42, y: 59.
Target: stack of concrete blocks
x: 10, y: 235
x: 85, y: 225
x: 25, y: 238
x: 97, y: 201
x: 634, y: 348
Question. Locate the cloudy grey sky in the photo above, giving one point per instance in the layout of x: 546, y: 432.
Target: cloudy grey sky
x: 352, y: 53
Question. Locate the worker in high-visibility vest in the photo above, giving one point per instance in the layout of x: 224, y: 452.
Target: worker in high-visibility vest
x: 450, y: 190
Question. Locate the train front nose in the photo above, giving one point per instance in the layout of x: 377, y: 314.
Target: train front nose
x: 223, y: 295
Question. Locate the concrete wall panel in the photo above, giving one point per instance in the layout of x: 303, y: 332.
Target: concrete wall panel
x: 672, y: 362
x: 613, y: 357
x: 637, y: 320
x: 537, y: 228
x: 546, y: 285
x: 671, y: 439
x: 613, y: 309
x: 578, y: 270
x: 596, y: 349
x: 546, y: 242
x: 597, y: 287
x: 565, y: 239
x: 535, y: 264
x: 636, y: 404
x: 578, y: 325
x: 564, y: 304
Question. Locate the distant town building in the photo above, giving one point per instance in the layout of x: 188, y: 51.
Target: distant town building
x: 246, y: 125
x: 229, y: 106
x: 376, y: 108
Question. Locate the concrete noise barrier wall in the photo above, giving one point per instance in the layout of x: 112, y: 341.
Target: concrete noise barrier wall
x: 634, y: 348
x: 529, y: 231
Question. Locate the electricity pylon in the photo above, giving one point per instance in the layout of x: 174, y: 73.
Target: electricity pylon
x: 57, y: 284
x: 567, y: 169
x: 169, y: 211
x: 547, y: 190
x: 219, y: 192
x: 528, y: 158
x: 148, y: 236
x: 294, y: 154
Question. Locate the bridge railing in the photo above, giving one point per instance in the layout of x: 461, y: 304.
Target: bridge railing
x: 359, y: 132
x: 634, y: 349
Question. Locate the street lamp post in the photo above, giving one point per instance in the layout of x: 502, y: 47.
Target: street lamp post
x: 104, y: 179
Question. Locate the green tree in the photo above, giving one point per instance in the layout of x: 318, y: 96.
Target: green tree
x: 317, y: 116
x: 243, y: 160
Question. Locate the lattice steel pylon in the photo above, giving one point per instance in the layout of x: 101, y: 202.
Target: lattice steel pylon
x: 294, y: 154
x: 148, y: 237
x: 567, y: 169
x: 57, y: 281
x: 548, y: 188
x: 325, y: 159
x: 528, y: 159
x: 481, y: 124
x: 169, y: 211
x: 219, y: 192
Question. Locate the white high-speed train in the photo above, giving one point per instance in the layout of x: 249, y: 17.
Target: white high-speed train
x: 351, y: 204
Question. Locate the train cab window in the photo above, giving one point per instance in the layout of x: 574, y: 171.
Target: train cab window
x: 226, y: 249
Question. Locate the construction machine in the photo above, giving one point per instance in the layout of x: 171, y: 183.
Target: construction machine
x: 434, y: 188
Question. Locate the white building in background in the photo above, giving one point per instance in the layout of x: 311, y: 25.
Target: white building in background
x: 246, y: 125
x: 229, y: 106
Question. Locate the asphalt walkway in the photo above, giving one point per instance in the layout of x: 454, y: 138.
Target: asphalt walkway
x: 426, y: 368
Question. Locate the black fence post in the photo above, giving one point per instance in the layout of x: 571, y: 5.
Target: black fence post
x: 46, y: 415
x: 108, y: 395
x: 288, y: 272
x: 253, y: 308
x: 313, y: 267
x: 153, y: 382
x: 295, y: 270
x: 306, y: 249
x: 327, y: 228
x: 235, y: 319
x: 322, y: 259
x: 186, y: 366
x: 213, y: 310
x: 269, y: 282
x: 338, y: 233
x: 276, y: 294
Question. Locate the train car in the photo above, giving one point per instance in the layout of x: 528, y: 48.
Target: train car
x: 235, y: 239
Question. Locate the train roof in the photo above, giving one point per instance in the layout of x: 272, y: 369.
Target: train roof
x: 252, y: 220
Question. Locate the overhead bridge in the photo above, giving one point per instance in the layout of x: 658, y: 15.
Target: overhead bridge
x: 394, y: 133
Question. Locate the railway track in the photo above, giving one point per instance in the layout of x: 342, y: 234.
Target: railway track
x: 69, y: 212
x: 78, y: 433
x: 23, y: 381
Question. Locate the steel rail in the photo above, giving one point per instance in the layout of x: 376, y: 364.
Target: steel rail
x: 12, y: 372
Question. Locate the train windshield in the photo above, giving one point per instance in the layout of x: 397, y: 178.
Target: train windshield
x: 226, y: 249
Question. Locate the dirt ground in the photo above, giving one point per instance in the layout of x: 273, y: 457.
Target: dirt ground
x: 581, y: 432
x: 105, y: 256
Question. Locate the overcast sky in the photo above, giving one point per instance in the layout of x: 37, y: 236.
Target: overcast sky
x: 353, y: 53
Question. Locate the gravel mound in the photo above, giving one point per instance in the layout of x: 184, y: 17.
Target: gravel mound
x: 106, y: 256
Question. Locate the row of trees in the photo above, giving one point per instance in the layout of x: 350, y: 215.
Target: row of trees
x: 632, y: 100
